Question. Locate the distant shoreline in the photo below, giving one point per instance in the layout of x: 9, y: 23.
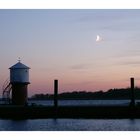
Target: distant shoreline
x: 111, y: 94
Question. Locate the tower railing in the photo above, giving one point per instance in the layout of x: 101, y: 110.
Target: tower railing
x: 6, y: 88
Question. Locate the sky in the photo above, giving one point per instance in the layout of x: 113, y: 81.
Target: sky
x: 84, y: 49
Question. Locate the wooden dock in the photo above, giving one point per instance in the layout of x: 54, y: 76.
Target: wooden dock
x: 88, y: 112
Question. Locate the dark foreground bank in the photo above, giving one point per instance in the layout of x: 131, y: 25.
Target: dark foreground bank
x: 34, y: 112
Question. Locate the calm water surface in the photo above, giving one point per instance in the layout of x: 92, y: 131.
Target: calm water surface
x: 80, y: 102
x: 70, y: 125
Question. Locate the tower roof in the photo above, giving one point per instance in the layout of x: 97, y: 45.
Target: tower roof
x: 19, y: 65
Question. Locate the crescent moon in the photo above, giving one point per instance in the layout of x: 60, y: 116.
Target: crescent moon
x: 98, y: 38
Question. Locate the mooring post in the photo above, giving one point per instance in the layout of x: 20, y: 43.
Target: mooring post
x: 55, y: 93
x: 132, y: 92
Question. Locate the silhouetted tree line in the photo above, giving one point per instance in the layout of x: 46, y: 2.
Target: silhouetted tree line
x: 123, y: 93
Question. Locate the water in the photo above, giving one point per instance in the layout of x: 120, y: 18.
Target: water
x: 73, y: 124
x: 81, y: 102
x: 70, y: 125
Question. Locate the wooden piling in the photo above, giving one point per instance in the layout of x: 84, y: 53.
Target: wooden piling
x: 132, y: 92
x: 55, y: 93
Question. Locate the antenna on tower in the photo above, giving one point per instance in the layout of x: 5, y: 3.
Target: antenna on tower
x: 19, y: 59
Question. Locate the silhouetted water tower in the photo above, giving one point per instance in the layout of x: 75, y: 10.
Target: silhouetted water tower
x: 19, y: 79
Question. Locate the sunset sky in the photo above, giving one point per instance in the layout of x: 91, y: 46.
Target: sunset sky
x: 84, y: 49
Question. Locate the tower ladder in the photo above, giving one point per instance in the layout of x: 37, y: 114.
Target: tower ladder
x: 6, y: 91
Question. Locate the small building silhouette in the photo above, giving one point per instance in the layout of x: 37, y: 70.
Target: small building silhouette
x: 19, y: 79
